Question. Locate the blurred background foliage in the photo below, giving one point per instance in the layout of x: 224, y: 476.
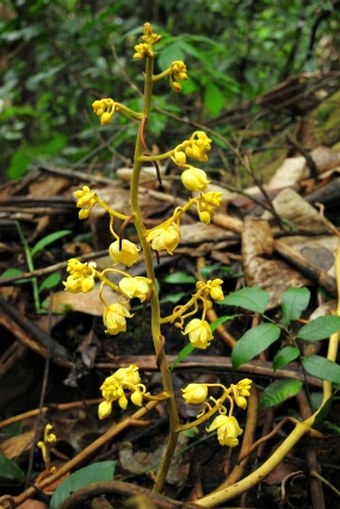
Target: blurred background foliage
x: 57, y: 57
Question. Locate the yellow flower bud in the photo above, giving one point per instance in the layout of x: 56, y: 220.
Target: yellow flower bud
x: 228, y: 430
x: 199, y: 332
x: 115, y: 318
x: 104, y: 409
x: 216, y: 292
x: 123, y: 402
x: 179, y: 157
x: 195, y: 393
x: 195, y: 179
x: 128, y: 254
x: 176, y: 87
x: 106, y: 118
x: 137, y: 397
x: 204, y: 216
x: 241, y: 402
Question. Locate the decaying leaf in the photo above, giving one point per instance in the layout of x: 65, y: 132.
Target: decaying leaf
x: 260, y: 268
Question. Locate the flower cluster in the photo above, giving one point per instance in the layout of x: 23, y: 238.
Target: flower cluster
x: 114, y: 389
x: 177, y: 72
x: 206, y: 205
x: 196, y: 147
x: 149, y: 38
x: 86, y: 199
x: 105, y: 109
x: 81, y: 278
x: 227, y: 426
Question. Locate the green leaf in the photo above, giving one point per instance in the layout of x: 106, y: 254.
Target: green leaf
x: 322, y: 368
x: 179, y: 278
x: 254, y: 299
x: 101, y: 471
x: 19, y: 164
x: 49, y: 239
x: 293, y: 302
x: 216, y: 323
x: 50, y: 281
x: 320, y: 328
x: 253, y: 342
x: 284, y: 356
x: 10, y: 470
x: 172, y: 297
x: 11, y: 273
x: 182, y: 355
x: 279, y: 391
x: 169, y: 54
x: 214, y: 99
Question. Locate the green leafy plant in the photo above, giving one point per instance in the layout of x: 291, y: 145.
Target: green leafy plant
x: 47, y: 283
x: 294, y: 302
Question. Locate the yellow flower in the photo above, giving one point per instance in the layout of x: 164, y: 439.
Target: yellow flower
x: 86, y: 199
x: 81, y: 278
x: 228, y: 430
x: 105, y: 109
x: 216, y: 292
x: 128, y: 254
x: 198, y: 146
x: 199, y: 332
x: 129, y: 375
x: 115, y: 318
x: 138, y: 286
x: 164, y: 237
x: 195, y: 393
x: 194, y: 179
x: 113, y: 390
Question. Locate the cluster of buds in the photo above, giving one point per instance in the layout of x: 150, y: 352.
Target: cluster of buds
x: 196, y: 147
x: 198, y: 329
x: 115, y: 386
x: 149, y: 39
x: 226, y: 424
x: 81, y: 278
x: 177, y: 72
x: 105, y: 109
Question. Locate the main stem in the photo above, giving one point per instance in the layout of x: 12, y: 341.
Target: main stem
x: 155, y: 305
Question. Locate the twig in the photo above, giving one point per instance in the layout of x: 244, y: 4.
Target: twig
x: 210, y: 362
x: 52, y: 407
